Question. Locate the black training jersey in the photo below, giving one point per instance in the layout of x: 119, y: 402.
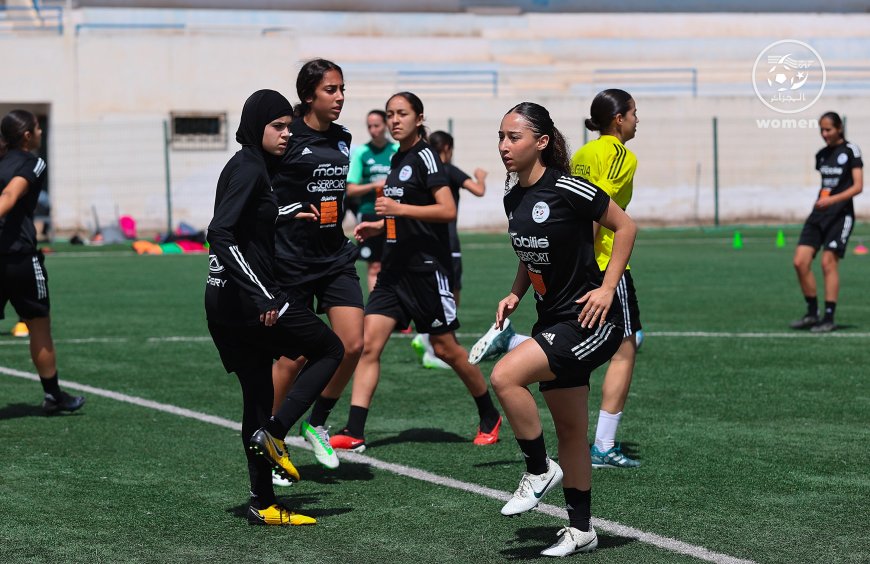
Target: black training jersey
x: 314, y: 171
x: 241, y: 236
x: 835, y: 164
x: 411, y: 243
x: 550, y: 227
x: 17, y: 232
x: 455, y: 178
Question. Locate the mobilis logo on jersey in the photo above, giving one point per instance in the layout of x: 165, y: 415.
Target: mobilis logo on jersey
x: 521, y: 242
x: 394, y: 192
x: 330, y: 178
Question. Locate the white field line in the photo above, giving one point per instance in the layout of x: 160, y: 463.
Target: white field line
x: 605, y: 525
x: 657, y: 334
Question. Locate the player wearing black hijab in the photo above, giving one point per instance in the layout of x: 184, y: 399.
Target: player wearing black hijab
x: 250, y: 319
x: 23, y: 279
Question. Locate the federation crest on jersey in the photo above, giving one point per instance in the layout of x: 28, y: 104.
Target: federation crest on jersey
x: 540, y: 212
x: 214, y: 265
x: 405, y: 173
x: 342, y: 146
x: 842, y: 158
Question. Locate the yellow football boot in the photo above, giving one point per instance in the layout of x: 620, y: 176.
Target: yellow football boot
x: 274, y: 451
x: 277, y: 515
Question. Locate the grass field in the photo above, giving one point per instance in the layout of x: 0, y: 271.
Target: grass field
x: 753, y: 437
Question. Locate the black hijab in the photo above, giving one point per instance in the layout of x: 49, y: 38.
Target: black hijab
x: 260, y: 109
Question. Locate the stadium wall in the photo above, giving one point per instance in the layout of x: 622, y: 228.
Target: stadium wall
x: 109, y: 90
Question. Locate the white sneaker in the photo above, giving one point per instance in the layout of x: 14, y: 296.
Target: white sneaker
x: 494, y: 343
x: 573, y: 541
x: 318, y: 438
x: 532, y: 488
x: 279, y: 481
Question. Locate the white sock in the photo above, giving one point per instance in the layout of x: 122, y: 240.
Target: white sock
x: 516, y: 340
x: 605, y: 433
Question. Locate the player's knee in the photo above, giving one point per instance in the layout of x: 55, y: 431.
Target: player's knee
x: 829, y: 262
x: 353, y: 347
x: 499, y: 379
x: 446, y: 350
x: 801, y: 264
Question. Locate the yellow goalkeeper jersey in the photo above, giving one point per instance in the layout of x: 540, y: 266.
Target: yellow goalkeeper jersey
x: 609, y: 165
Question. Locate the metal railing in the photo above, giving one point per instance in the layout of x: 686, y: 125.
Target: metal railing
x: 656, y: 80
x: 31, y: 18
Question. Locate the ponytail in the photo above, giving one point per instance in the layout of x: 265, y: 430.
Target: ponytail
x: 13, y: 127
x: 555, y: 154
x: 606, y: 105
x: 440, y: 141
x: 416, y: 105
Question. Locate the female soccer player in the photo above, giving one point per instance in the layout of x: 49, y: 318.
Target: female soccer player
x: 442, y: 143
x: 550, y: 216
x: 830, y: 223
x: 23, y: 279
x: 251, y: 320
x: 608, y: 164
x: 315, y: 259
x: 369, y: 166
x: 415, y: 281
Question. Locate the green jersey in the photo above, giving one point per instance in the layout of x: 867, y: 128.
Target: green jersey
x: 370, y: 164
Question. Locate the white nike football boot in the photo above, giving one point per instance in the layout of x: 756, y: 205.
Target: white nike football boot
x: 573, y: 541
x: 532, y: 488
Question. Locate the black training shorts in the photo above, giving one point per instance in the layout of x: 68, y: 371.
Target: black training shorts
x: 336, y: 289
x: 457, y: 271
x: 24, y: 282
x: 627, y: 297
x: 298, y: 332
x: 828, y: 232
x: 422, y: 297
x: 574, y: 352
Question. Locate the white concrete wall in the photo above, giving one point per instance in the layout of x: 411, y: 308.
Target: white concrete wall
x: 111, y: 89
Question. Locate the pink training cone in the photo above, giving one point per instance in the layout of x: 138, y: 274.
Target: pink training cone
x: 861, y: 250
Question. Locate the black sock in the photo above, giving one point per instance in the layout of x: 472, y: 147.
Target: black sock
x: 535, y: 453
x: 51, y: 386
x: 275, y: 428
x: 579, y: 504
x: 262, y: 501
x: 830, y: 308
x: 356, y: 421
x: 487, y: 411
x: 812, y: 306
x: 320, y: 412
